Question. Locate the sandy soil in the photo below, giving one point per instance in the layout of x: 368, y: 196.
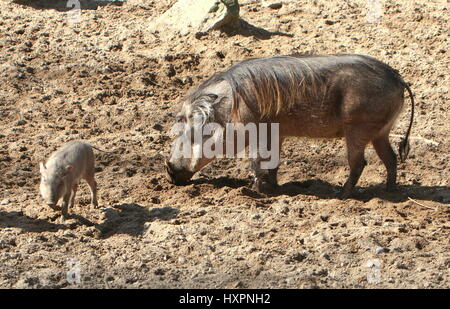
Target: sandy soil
x: 110, y: 81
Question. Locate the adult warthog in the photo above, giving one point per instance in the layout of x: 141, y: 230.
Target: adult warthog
x: 351, y: 96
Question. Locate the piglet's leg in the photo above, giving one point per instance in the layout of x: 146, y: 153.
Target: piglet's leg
x: 93, y: 186
x: 65, y: 205
x: 72, y: 197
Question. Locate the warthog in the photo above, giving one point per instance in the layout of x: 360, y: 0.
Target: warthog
x: 352, y: 96
x: 63, y: 171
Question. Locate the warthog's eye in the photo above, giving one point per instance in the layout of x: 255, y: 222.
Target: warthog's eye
x: 180, y: 118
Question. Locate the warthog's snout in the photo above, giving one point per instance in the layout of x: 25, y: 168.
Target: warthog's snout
x: 177, y: 176
x: 52, y: 205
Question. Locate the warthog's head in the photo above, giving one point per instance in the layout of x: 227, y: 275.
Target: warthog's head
x: 195, y: 127
x: 53, y: 183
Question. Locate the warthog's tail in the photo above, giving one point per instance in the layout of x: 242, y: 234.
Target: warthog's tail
x: 107, y: 151
x: 403, y: 146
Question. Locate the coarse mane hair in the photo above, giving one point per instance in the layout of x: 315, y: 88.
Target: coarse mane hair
x: 270, y: 86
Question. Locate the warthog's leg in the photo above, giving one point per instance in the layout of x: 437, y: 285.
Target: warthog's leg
x: 387, y: 155
x: 265, y: 179
x: 357, y: 137
x: 93, y: 187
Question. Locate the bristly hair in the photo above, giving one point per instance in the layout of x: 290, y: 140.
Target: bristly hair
x: 272, y: 85
x: 276, y: 85
x: 203, y: 108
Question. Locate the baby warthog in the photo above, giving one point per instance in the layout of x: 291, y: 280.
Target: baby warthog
x: 352, y: 96
x: 64, y: 170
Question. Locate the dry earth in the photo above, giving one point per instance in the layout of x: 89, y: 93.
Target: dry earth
x: 110, y: 81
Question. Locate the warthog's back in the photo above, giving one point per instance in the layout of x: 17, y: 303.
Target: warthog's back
x: 314, y: 95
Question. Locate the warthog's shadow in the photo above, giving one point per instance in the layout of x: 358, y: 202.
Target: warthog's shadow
x: 326, y: 190
x: 223, y: 181
x: 131, y: 218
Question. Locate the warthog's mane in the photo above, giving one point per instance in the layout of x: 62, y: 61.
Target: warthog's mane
x: 203, y: 108
x: 275, y: 85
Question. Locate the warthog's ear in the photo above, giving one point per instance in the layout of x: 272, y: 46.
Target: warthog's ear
x: 41, y: 167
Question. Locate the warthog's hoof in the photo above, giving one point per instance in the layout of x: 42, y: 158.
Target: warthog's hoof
x: 262, y: 186
x: 345, y: 194
x: 391, y: 188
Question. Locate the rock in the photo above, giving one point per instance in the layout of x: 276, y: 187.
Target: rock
x: 195, y: 16
x: 297, y: 257
x: 273, y: 4
x: 5, y: 202
x: 401, y: 265
x: 381, y: 250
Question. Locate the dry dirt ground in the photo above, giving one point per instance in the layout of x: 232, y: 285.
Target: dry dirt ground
x: 112, y: 82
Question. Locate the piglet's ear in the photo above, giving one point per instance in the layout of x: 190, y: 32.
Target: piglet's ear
x: 41, y: 167
x: 66, y: 170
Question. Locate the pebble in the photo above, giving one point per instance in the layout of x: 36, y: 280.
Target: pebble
x: 401, y: 265
x: 5, y: 202
x: 273, y: 4
x: 381, y: 250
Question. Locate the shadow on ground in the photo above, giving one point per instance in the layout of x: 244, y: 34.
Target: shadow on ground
x: 243, y: 28
x: 325, y: 190
x: 131, y: 218
x: 17, y: 219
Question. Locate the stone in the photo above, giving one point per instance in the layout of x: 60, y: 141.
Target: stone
x: 273, y: 4
x: 193, y: 16
x: 5, y: 202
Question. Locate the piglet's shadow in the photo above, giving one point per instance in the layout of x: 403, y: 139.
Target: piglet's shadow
x: 17, y: 219
x: 131, y: 218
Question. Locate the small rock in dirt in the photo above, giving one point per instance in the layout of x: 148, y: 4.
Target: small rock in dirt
x: 239, y: 285
x: 321, y: 273
x: 401, y: 265
x: 171, y: 71
x: 158, y: 127
x: 5, y: 202
x: 273, y: 4
x: 324, y: 218
x: 329, y: 22
x: 381, y: 250
x: 297, y: 257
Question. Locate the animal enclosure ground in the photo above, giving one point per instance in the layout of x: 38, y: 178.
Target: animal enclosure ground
x: 112, y: 82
